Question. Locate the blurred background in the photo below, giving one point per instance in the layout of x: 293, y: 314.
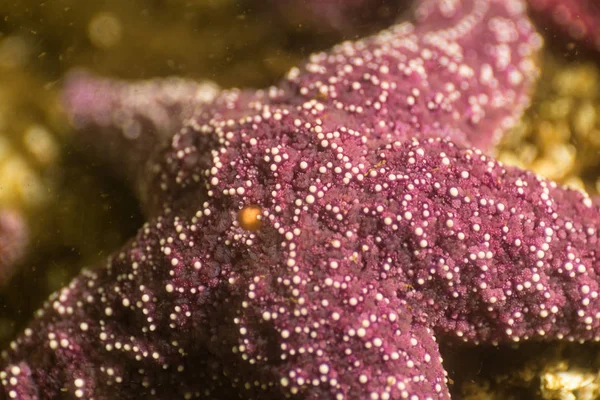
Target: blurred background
x: 72, y: 214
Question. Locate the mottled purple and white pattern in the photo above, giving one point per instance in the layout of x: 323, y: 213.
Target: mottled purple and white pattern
x: 468, y: 76
x: 382, y: 222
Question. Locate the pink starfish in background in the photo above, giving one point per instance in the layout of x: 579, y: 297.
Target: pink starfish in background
x: 579, y: 18
x: 14, y: 238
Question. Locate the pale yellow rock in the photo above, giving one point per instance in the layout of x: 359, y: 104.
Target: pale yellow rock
x: 559, y: 382
x: 562, y: 125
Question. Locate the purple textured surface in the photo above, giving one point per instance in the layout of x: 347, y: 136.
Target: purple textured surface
x: 382, y: 223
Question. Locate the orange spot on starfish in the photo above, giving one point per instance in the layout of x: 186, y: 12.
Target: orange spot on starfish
x: 249, y: 218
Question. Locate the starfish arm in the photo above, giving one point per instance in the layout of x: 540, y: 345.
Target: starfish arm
x: 464, y: 67
x: 314, y: 339
x: 119, y: 331
x: 124, y: 124
x: 203, y: 328
x: 492, y: 253
x: 580, y: 19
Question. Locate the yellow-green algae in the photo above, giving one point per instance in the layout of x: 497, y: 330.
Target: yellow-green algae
x: 559, y: 137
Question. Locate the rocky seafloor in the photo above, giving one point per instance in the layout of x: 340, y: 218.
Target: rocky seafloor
x: 75, y: 214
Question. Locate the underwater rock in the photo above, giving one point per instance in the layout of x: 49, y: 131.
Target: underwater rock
x: 559, y: 136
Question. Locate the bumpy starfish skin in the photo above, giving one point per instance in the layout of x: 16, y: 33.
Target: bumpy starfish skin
x: 374, y: 231
x: 446, y: 73
x: 579, y: 18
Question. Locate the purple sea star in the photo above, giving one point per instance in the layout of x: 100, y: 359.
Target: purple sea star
x: 306, y: 241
